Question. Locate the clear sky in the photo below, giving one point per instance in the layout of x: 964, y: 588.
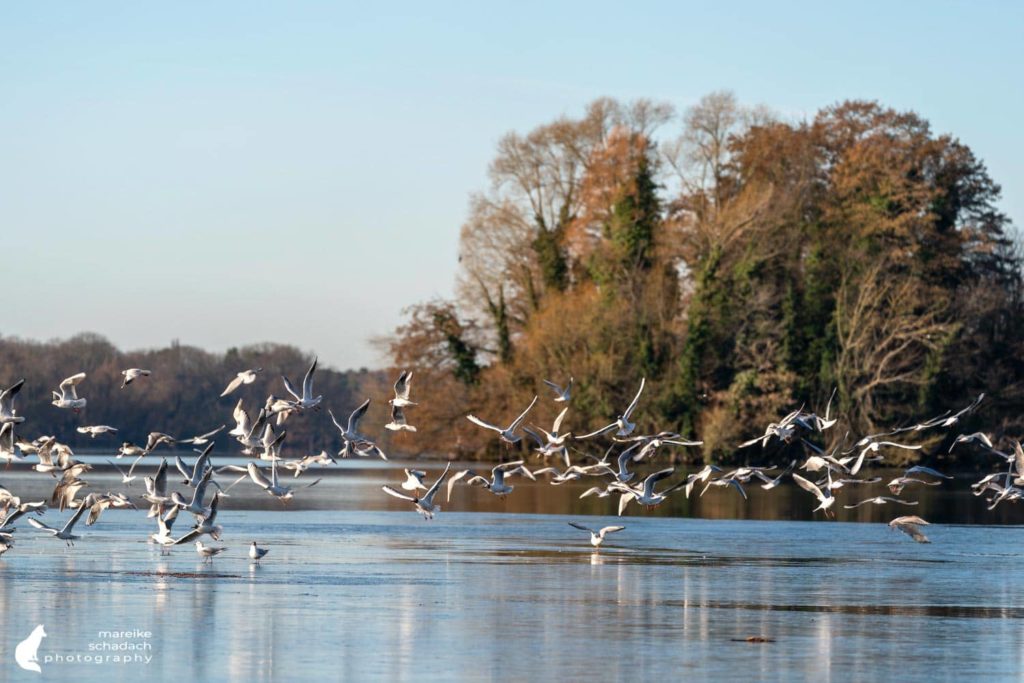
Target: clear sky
x: 232, y: 172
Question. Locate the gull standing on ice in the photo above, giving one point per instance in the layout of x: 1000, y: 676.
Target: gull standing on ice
x: 256, y: 553
x: 208, y: 552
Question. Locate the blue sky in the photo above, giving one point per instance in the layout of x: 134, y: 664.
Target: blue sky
x: 233, y: 172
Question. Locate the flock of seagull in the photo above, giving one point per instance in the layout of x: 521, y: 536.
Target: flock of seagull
x: 826, y: 474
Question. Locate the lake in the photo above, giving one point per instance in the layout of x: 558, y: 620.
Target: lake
x: 358, y: 586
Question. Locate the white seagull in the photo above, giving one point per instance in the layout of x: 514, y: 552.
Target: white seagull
x: 244, y: 377
x: 306, y: 399
x: 909, y: 526
x: 597, y: 537
x: 398, y: 422
x: 425, y: 505
x: 622, y: 423
x: 256, y: 553
x: 562, y: 395
x: 96, y: 430
x: 7, y: 412
x: 132, y: 374
x: 402, y: 387
x: 825, y: 498
x: 208, y: 552
x: 63, y: 533
x: 507, y: 434
x: 68, y: 395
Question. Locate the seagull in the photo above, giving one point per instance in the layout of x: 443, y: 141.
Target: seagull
x: 597, y: 537
x: 968, y: 438
x: 208, y: 552
x: 205, y: 524
x: 244, y: 377
x: 497, y: 484
x: 880, y: 500
x: 305, y: 400
x: 554, y: 442
x: 96, y: 430
x: 897, y: 485
x: 825, y: 498
x: 130, y: 449
x: 132, y: 374
x: 194, y: 474
x: 126, y: 477
x: 97, y: 503
x: 507, y: 434
x: 164, y: 523
x: 873, y: 446
x: 701, y: 476
x: 723, y: 482
x: 273, y: 485
x: 650, y: 444
x: 561, y: 395
x: 68, y: 396
x: 8, y: 415
x: 195, y: 506
x: 413, y: 480
x: 350, y: 436
x: 256, y: 553
x: 203, y: 439
x: 156, y: 438
x: 156, y: 489
x: 302, y: 464
x: 243, y: 424
x: 64, y: 533
x: 402, y: 388
x: 398, y: 422
x: 769, y: 484
x: 19, y: 511
x: 909, y: 526
x: 622, y: 423
x: 425, y: 505
x: 645, y: 495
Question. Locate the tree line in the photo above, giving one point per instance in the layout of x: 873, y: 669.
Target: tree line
x: 742, y: 263
x: 182, y: 396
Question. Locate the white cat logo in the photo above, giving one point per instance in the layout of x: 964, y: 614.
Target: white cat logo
x: 25, y: 653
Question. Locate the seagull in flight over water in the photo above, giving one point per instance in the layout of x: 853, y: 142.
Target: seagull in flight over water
x: 507, y: 434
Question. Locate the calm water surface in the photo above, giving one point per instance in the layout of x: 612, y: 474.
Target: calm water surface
x: 356, y: 587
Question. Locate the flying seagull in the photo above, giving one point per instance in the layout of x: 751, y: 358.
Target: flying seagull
x: 597, y: 537
x: 306, y: 399
x: 425, y: 505
x: 909, y: 525
x: 562, y: 395
x: 244, y: 377
x: 622, y: 423
x: 507, y: 434
x: 132, y: 374
x: 68, y: 395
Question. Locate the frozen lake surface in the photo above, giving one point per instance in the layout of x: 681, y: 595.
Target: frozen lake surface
x: 354, y: 594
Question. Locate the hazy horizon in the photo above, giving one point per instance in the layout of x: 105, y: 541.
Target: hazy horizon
x: 232, y: 174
